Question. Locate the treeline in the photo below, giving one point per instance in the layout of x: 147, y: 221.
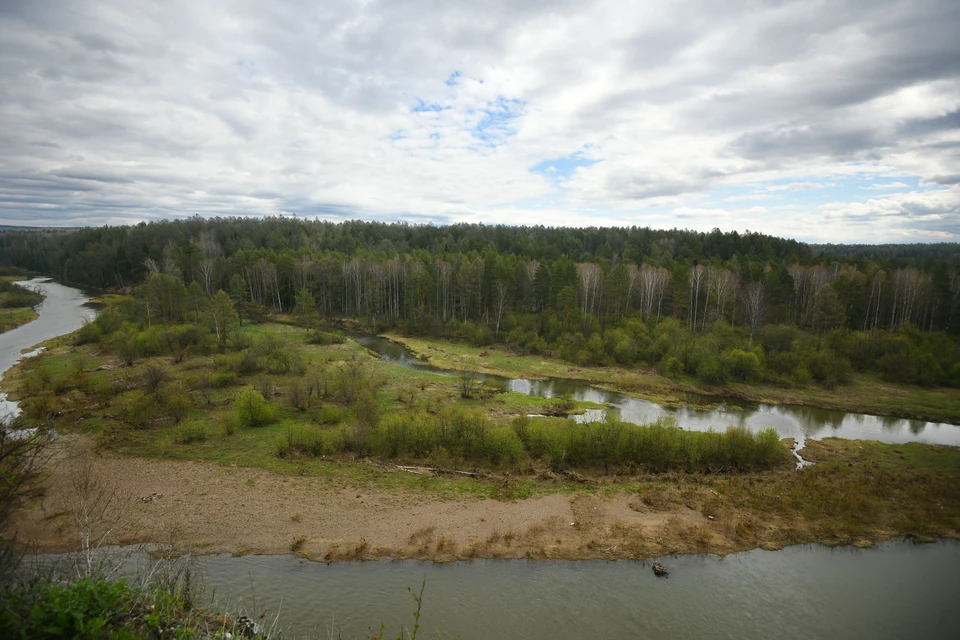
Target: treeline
x: 916, y: 250
x: 716, y: 305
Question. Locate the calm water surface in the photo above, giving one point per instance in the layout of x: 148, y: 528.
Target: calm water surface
x: 898, y: 590
x: 790, y: 421
x: 63, y: 310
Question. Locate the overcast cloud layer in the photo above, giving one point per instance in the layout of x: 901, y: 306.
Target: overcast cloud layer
x: 825, y: 121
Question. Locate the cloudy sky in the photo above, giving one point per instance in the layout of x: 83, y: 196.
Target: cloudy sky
x: 825, y: 121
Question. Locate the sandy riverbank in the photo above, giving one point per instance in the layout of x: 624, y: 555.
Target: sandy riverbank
x: 208, y: 508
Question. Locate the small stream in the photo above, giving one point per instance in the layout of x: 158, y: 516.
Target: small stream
x: 790, y: 421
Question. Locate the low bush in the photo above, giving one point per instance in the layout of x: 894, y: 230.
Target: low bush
x: 327, y: 413
x: 83, y: 609
x: 253, y: 410
x: 188, y: 433
x: 460, y: 434
x: 222, y: 379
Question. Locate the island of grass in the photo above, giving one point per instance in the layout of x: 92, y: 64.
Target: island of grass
x: 272, y: 438
x: 16, y: 303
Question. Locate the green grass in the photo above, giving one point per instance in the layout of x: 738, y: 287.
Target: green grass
x: 13, y: 318
x: 16, y: 309
x: 866, y: 393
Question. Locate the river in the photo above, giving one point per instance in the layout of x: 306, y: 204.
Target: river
x: 897, y: 590
x: 790, y: 421
x: 63, y: 310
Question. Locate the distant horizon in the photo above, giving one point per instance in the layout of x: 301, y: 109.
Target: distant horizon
x: 15, y: 227
x: 830, y: 123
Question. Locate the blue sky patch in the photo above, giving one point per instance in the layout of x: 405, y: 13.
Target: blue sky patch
x: 563, y: 168
x: 496, y: 123
x: 422, y: 106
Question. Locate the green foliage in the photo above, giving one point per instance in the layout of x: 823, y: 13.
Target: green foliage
x: 827, y: 368
x: 461, y: 282
x: 671, y: 367
x: 13, y: 296
x: 189, y: 433
x: 305, y: 310
x: 298, y: 395
x: 223, y: 315
x: 327, y: 414
x: 253, y: 410
x: 176, y: 404
x: 83, y: 609
x: 742, y: 365
x: 710, y: 371
x: 467, y: 435
x: 142, y: 411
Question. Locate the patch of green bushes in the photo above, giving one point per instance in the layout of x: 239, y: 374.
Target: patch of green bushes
x: 467, y: 435
x: 253, y: 410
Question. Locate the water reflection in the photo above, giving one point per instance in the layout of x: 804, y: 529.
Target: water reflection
x: 793, y: 421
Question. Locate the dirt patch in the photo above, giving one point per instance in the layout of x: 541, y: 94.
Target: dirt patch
x: 209, y: 508
x: 858, y: 493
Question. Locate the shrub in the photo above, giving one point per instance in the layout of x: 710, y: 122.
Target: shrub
x: 671, y: 367
x: 298, y: 440
x: 253, y: 410
x: 124, y: 344
x: 827, y: 368
x: 83, y: 609
x: 327, y: 414
x: 742, y: 365
x: 503, y: 446
x: 148, y: 342
x: 154, y: 377
x: 709, y: 371
x: 228, y: 424
x: 264, y: 386
x: 142, y: 412
x: 298, y: 395
x: 188, y: 433
x: 176, y: 404
x: 88, y: 333
x: 223, y: 379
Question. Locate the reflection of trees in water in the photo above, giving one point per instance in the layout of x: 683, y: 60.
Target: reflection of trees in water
x: 889, y: 423
x: 917, y: 426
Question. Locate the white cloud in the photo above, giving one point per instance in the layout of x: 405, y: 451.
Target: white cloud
x: 888, y: 185
x: 797, y: 186
x: 120, y: 111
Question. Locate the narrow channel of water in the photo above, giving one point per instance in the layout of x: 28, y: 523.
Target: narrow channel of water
x: 898, y: 590
x: 790, y: 421
x: 63, y: 310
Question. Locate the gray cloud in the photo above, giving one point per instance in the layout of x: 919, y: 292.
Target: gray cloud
x: 138, y: 110
x: 952, y: 179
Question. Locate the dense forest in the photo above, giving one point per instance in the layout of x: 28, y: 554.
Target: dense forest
x: 715, y: 305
